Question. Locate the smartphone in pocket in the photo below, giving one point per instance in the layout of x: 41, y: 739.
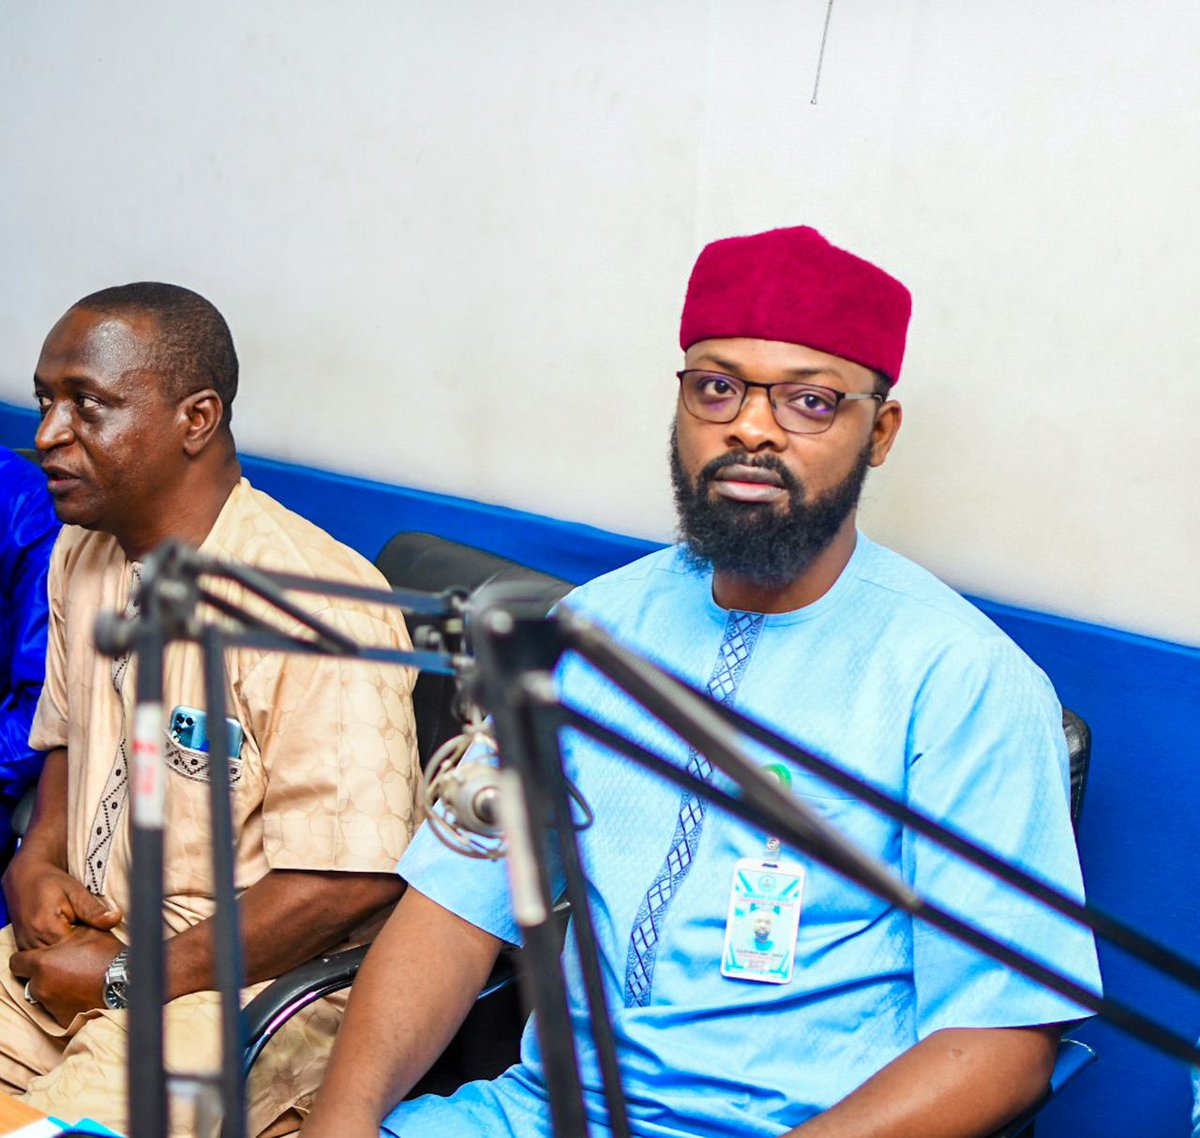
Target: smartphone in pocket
x: 189, y: 728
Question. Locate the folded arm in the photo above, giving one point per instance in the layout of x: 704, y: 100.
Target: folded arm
x: 62, y: 929
x: 287, y: 918
x: 956, y: 1083
x: 415, y: 988
x: 46, y: 903
x: 317, y: 910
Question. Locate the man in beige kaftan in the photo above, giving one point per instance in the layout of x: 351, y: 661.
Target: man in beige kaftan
x: 324, y: 782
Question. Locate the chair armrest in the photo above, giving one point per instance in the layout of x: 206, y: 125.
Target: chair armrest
x: 264, y: 1015
x: 1073, y: 1056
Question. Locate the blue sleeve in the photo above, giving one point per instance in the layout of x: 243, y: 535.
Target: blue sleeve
x: 475, y: 889
x: 472, y: 889
x: 25, y: 546
x: 988, y: 754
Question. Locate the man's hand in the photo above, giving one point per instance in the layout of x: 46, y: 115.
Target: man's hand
x: 68, y: 977
x: 46, y: 903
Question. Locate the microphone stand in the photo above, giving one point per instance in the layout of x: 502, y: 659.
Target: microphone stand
x: 517, y: 649
x: 170, y: 597
x: 227, y: 940
x: 161, y: 611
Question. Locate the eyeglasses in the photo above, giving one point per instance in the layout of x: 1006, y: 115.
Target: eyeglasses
x: 799, y: 408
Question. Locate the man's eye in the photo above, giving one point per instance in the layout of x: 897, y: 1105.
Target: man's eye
x: 716, y: 387
x: 87, y: 402
x: 42, y: 401
x: 814, y: 404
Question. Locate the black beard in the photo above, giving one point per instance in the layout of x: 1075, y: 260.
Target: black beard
x: 759, y: 542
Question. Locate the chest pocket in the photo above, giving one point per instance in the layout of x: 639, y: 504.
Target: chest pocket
x: 188, y: 838
x: 196, y: 765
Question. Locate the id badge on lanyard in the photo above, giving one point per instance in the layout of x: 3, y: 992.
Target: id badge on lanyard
x: 764, y: 912
x: 763, y: 920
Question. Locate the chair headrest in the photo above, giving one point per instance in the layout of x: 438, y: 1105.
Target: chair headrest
x: 424, y: 561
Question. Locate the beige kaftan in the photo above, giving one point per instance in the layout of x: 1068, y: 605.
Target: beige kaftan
x: 327, y: 779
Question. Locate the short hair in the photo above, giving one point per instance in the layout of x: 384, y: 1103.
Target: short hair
x: 194, y: 347
x: 883, y: 385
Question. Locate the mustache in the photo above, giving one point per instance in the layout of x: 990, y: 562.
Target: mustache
x: 708, y: 473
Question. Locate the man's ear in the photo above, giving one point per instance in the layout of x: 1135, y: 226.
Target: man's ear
x: 883, y: 433
x: 201, y: 413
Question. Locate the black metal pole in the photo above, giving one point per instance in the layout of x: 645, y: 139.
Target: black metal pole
x: 780, y: 819
x: 537, y: 688
x: 504, y: 658
x: 1157, y: 955
x: 146, y: 1074
x: 226, y: 938
x: 625, y: 667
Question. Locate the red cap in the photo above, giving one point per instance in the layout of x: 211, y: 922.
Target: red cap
x: 793, y: 285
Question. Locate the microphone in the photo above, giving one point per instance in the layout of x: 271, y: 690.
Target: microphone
x: 461, y: 796
x: 468, y: 795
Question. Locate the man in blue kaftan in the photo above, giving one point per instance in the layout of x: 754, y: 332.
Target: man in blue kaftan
x: 864, y: 1022
x: 28, y: 528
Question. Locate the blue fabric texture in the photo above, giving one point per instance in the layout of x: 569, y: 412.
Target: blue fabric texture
x: 891, y: 675
x: 1196, y: 1102
x: 28, y: 528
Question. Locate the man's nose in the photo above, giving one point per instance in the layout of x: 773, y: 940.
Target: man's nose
x: 54, y: 429
x: 754, y: 427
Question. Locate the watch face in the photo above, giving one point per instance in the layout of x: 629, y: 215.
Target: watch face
x: 116, y: 982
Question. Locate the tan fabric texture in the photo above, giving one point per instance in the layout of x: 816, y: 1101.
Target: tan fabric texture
x: 327, y: 778
x: 79, y: 1071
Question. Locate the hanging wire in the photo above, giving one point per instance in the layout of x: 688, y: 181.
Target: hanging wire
x: 821, y: 55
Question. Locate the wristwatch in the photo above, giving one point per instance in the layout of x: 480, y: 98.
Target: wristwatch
x: 116, y: 981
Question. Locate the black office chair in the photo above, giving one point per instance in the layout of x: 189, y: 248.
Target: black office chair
x: 1079, y: 751
x: 488, y: 1041
x: 433, y: 564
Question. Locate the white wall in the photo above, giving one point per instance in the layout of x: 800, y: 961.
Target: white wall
x: 452, y: 239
